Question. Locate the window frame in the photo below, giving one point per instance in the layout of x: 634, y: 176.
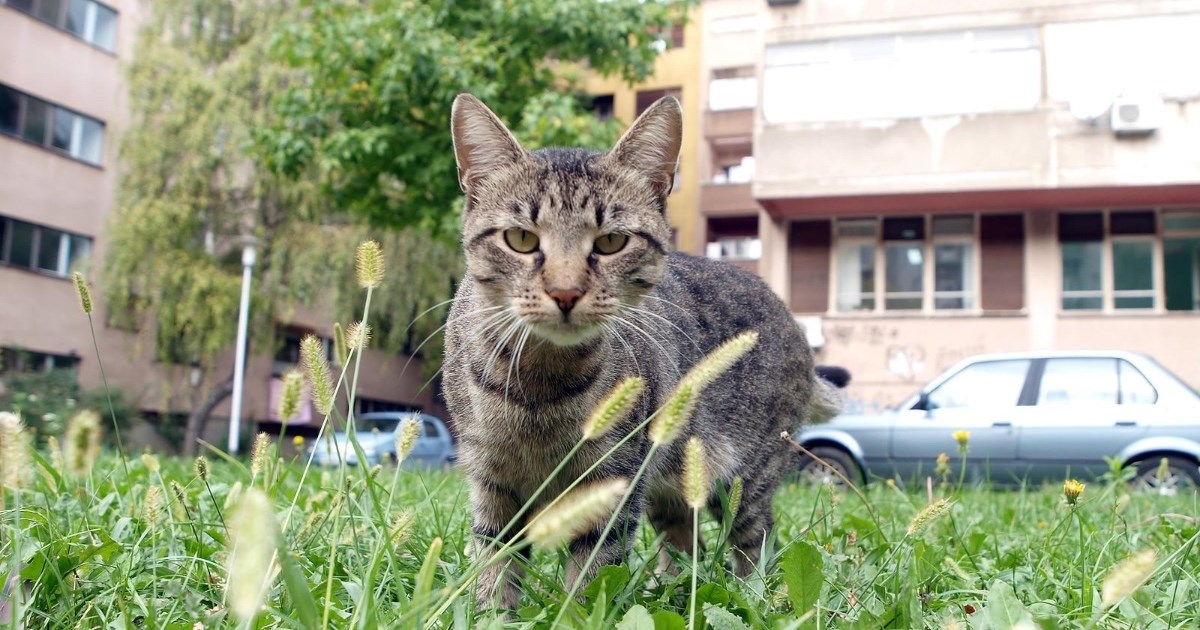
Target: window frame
x: 60, y: 23
x: 929, y: 243
x: 67, y: 241
x: 1108, y: 292
x: 47, y: 142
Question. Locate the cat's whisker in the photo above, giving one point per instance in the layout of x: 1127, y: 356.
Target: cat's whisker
x: 672, y: 361
x: 664, y: 320
x: 412, y: 355
x: 670, y: 303
x: 609, y: 328
x: 513, y: 328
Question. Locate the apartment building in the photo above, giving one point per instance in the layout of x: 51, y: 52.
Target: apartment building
x: 676, y: 73
x: 62, y: 106
x: 924, y: 181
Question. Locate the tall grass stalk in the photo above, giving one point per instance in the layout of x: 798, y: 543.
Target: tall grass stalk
x: 85, y: 303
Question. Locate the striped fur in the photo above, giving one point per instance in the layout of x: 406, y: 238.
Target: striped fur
x: 521, y: 375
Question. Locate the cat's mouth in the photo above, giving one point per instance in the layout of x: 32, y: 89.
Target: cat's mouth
x: 565, y: 332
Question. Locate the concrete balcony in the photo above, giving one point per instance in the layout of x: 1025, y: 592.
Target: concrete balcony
x: 725, y: 200
x: 729, y: 124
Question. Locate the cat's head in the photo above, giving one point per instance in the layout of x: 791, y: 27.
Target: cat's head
x: 565, y: 238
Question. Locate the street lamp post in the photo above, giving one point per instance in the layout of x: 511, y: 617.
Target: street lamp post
x: 249, y: 255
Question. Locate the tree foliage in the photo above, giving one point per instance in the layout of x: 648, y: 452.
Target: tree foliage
x: 369, y: 120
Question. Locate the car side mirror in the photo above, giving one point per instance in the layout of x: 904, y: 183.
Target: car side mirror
x: 924, y: 404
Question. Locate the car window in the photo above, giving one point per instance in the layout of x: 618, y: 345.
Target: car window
x: 383, y: 425
x: 430, y: 430
x: 1079, y: 381
x: 1135, y: 389
x: 987, y: 384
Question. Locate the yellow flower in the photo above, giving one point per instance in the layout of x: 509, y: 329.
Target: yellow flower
x: 962, y: 437
x: 298, y: 441
x: 943, y: 458
x: 891, y: 483
x: 1071, y: 490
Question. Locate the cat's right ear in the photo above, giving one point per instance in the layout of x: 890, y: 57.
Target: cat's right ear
x: 482, y: 143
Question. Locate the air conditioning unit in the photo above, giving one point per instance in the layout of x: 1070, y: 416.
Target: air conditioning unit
x: 781, y: 3
x: 1135, y: 116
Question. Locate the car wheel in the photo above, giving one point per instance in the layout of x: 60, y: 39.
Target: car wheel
x: 1166, y: 476
x: 840, y: 467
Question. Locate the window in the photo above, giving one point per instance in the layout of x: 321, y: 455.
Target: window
x: 1181, y: 260
x: 733, y: 88
x: 733, y: 238
x: 602, y: 107
x: 51, y: 126
x: 894, y: 254
x: 89, y: 20
x: 41, y: 248
x: 903, y: 75
x: 20, y: 360
x: 739, y: 172
x: 646, y: 98
x: 989, y: 384
x: 1108, y: 260
x: 1094, y: 381
x: 287, y: 344
x: 669, y: 38
x: 372, y: 405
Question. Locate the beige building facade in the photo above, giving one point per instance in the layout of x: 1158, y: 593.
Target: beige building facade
x: 925, y: 181
x: 62, y: 106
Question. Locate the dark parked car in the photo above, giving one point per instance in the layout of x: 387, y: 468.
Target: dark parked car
x: 1032, y: 417
x: 377, y: 435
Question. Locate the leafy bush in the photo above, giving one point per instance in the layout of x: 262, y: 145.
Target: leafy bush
x: 46, y: 400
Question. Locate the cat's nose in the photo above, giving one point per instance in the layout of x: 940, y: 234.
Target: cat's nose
x: 566, y: 298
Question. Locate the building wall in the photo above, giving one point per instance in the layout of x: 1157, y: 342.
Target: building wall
x: 675, y: 68
x: 913, y: 143
x: 40, y: 311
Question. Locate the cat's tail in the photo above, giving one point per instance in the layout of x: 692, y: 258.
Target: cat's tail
x: 827, y: 400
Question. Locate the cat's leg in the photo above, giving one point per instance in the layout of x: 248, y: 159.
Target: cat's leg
x: 611, y: 549
x: 492, y: 507
x: 752, y: 524
x: 673, y: 519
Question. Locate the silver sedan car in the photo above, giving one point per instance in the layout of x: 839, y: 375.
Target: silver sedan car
x: 1031, y: 417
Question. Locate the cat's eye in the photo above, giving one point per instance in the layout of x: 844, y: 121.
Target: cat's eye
x: 522, y: 241
x: 611, y: 243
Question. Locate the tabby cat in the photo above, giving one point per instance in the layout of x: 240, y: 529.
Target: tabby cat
x: 570, y: 288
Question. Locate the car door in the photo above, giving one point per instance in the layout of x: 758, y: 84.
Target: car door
x: 1087, y: 408
x: 430, y: 449
x: 984, y: 398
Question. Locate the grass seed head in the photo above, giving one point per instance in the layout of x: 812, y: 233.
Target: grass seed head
x: 1072, y: 489
x: 927, y: 515
x: 83, y: 442
x: 614, y: 407
x: 179, y: 504
x: 150, y: 462
x: 1127, y: 577
x: 261, y: 454
x: 340, y: 356
x: 85, y: 294
x: 289, y: 398
x: 253, y: 541
x: 369, y: 264
x: 358, y: 336
x: 312, y: 355
x: 576, y: 513
x: 735, y: 497
x: 674, y: 415
x: 696, y: 482
x: 152, y: 504
x: 56, y: 454
x: 233, y: 496
x: 14, y: 451
x: 401, y: 527
x: 406, y: 438
x: 201, y: 466
x: 719, y: 361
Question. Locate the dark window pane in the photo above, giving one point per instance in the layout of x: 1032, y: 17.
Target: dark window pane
x: 1081, y: 275
x: 1133, y: 266
x: 3, y: 233
x: 904, y: 275
x: 647, y: 98
x: 602, y: 106
x: 20, y: 249
x: 51, y: 11
x: 49, y: 249
x: 25, y: 6
x: 904, y: 229
x: 1133, y: 302
x: 64, y: 122
x: 1181, y: 271
x: 10, y: 109
x: 1141, y: 222
x: 1082, y: 304
x: 1074, y: 227
x: 36, y: 114
x: 105, y: 35
x: 77, y: 17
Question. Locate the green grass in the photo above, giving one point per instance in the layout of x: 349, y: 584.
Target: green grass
x: 92, y: 557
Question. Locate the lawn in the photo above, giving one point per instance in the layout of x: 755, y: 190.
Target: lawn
x: 149, y: 547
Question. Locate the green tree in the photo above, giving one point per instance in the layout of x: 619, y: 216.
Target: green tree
x: 369, y: 120
x: 193, y: 185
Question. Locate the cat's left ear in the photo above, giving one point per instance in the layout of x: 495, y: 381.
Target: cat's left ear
x: 482, y: 144
x: 651, y: 144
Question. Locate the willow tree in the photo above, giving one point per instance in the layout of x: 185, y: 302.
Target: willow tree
x: 193, y: 185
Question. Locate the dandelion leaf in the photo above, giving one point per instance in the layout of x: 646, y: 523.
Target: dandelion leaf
x: 721, y: 619
x: 803, y: 568
x: 667, y: 620
x: 610, y: 579
x: 1004, y: 610
x: 637, y: 618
